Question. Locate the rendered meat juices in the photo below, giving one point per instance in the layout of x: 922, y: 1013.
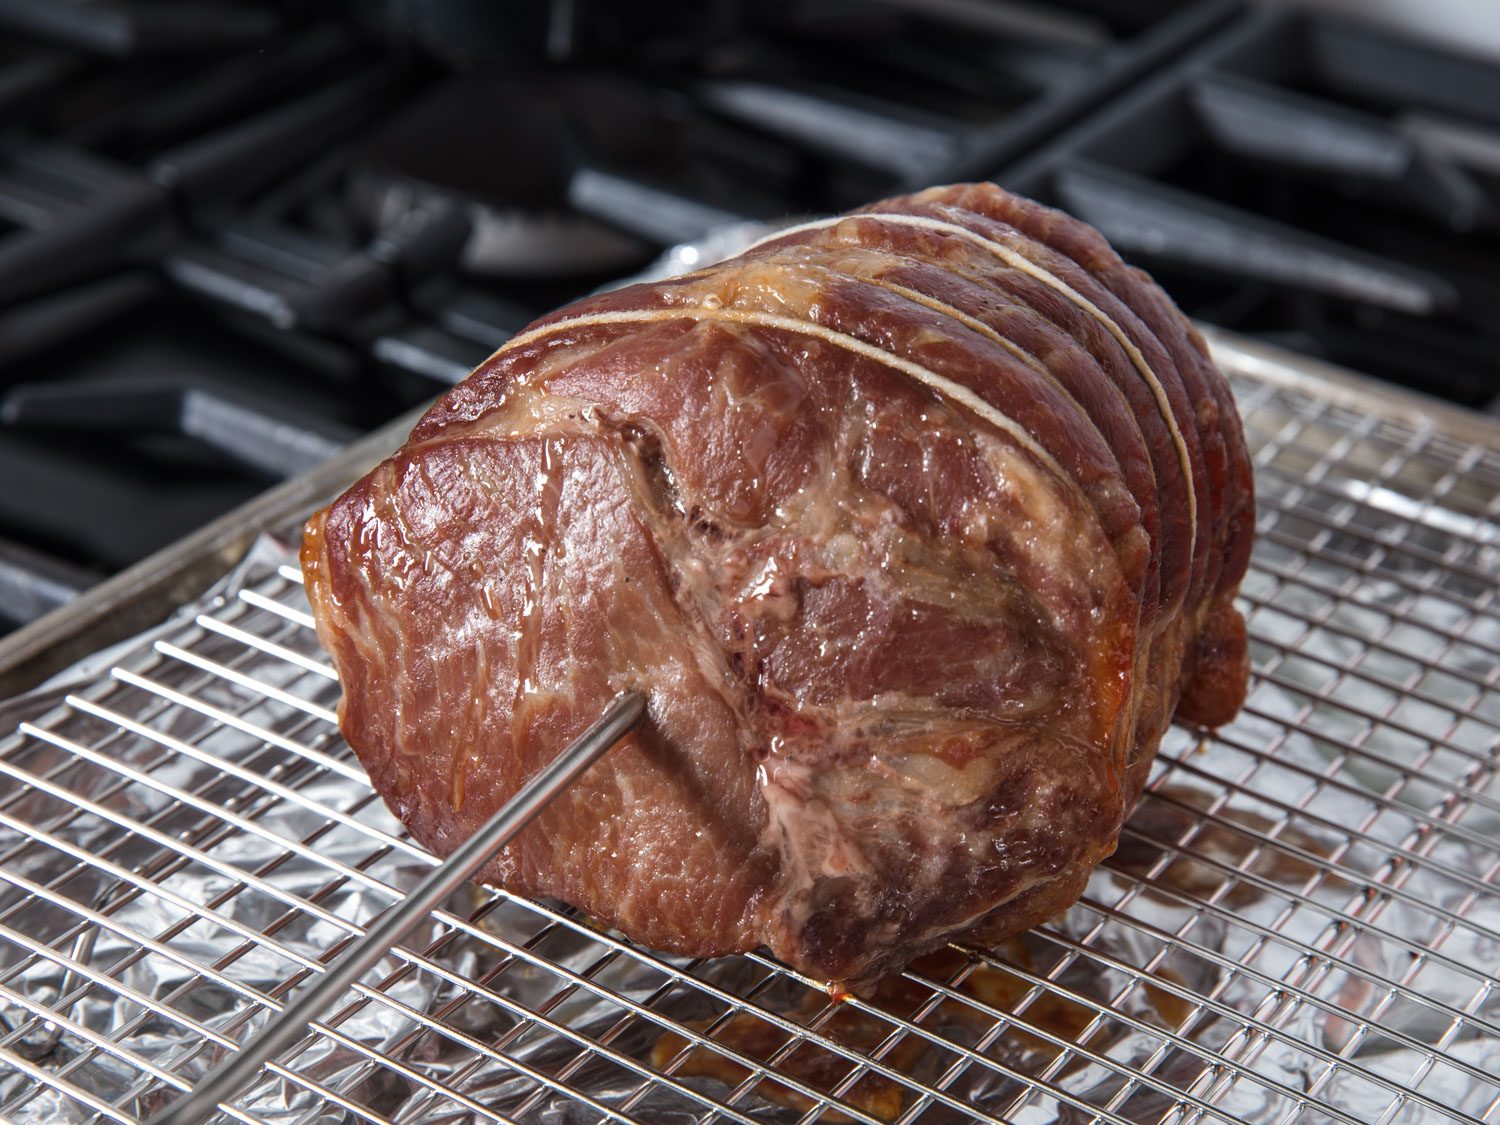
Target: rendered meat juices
x: 916, y: 526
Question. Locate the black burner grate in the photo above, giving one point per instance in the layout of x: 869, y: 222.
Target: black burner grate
x: 1314, y: 181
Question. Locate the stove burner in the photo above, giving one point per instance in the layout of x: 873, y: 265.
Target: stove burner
x: 500, y: 149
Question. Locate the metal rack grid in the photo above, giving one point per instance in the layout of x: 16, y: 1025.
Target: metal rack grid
x: 1302, y: 922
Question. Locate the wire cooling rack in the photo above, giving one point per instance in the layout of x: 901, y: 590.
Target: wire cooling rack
x: 1300, y: 923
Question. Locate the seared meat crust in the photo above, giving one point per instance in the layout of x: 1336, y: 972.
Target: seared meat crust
x: 916, y: 526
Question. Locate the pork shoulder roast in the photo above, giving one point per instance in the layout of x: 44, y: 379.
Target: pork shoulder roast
x: 917, y: 526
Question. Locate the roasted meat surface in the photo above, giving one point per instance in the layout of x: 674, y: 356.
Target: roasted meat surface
x: 917, y: 526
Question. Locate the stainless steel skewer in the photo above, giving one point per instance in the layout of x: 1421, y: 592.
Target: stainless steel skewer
x: 222, y: 1083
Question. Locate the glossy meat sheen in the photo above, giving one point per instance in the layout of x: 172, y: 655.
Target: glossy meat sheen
x: 915, y: 526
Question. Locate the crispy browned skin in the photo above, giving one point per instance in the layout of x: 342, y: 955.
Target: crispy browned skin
x: 916, y: 527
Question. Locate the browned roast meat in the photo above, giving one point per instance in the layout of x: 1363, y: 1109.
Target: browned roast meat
x: 916, y: 526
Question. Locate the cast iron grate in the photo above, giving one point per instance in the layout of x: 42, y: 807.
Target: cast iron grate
x: 1321, y: 183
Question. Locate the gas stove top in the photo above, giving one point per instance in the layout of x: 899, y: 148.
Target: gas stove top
x: 234, y: 236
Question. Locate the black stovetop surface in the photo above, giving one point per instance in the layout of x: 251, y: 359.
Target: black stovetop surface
x: 235, y: 235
